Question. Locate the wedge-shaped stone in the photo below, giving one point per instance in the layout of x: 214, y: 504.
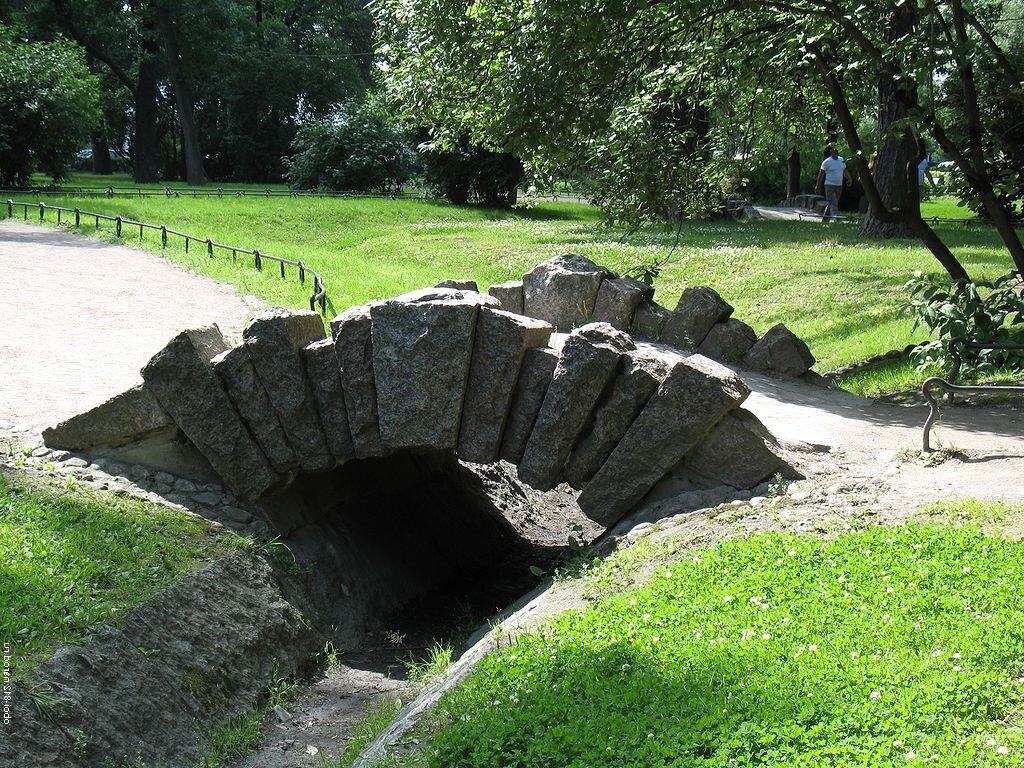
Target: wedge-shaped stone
x: 422, y: 346
x: 728, y: 341
x: 699, y: 308
x: 237, y: 374
x: 509, y: 295
x: 534, y: 377
x: 618, y: 299
x: 780, y: 351
x: 353, y: 346
x: 501, y: 340
x: 563, y: 290
x: 182, y: 380
x: 274, y: 339
x: 131, y: 415
x: 694, y: 397
x: 639, y: 377
x: 740, y: 452
x: 588, y: 362
x: 648, y: 320
x: 325, y: 378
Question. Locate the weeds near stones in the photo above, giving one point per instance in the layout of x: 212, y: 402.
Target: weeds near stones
x: 369, y: 728
x: 438, y: 659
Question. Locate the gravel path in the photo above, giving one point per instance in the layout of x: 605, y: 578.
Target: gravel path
x: 79, y: 318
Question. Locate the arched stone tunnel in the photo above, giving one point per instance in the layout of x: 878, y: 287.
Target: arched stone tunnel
x: 366, y: 445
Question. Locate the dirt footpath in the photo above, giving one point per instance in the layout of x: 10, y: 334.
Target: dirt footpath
x: 79, y: 318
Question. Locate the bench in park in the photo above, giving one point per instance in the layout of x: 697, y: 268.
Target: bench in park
x: 957, y: 347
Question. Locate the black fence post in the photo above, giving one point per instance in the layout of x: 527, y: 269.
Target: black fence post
x: 117, y: 226
x: 59, y: 212
x: 10, y: 209
x: 209, y: 247
x: 163, y: 235
x: 78, y: 217
x: 42, y: 209
x: 257, y: 261
x: 282, y: 270
x: 302, y: 273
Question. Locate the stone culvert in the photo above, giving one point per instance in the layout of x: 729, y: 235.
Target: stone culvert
x: 479, y: 377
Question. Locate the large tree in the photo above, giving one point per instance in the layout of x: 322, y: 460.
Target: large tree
x: 550, y: 80
x: 48, y: 106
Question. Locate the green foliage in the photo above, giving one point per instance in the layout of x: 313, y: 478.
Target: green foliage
x: 367, y: 729
x: 874, y: 649
x: 987, y: 312
x: 437, y: 660
x: 353, y: 150
x: 466, y: 174
x: 73, y: 559
x: 48, y: 104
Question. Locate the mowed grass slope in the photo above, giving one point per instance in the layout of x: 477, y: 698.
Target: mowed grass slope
x: 843, y: 295
x: 885, y: 647
x: 70, y: 559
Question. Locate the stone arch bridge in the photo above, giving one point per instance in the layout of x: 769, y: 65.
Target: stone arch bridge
x: 573, y: 375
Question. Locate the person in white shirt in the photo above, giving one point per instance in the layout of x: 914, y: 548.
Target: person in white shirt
x: 922, y: 174
x: 831, y: 177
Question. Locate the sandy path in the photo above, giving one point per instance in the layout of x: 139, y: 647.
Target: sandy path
x: 79, y: 318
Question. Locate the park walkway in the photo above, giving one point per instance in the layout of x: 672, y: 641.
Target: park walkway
x: 79, y: 318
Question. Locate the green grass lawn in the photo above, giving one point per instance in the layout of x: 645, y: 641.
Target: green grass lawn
x: 886, y: 647
x: 70, y: 559
x: 842, y: 295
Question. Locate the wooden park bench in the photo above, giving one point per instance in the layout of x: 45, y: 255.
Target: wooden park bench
x: 957, y: 347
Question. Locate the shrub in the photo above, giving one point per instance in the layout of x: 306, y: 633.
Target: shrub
x: 353, y: 150
x: 991, y: 312
x: 468, y: 173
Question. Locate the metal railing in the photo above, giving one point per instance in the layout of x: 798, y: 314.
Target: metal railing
x: 318, y: 297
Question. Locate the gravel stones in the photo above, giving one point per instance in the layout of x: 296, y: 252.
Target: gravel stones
x: 779, y: 351
x: 274, y: 339
x: 588, y: 362
x: 500, y: 343
x: 695, y: 396
x: 563, y: 290
x: 182, y: 380
x: 699, y: 308
x: 125, y: 417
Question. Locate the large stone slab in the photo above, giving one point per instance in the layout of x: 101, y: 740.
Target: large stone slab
x: 353, y: 346
x: 501, y: 340
x: 422, y: 347
x: 182, y: 380
x: 589, y: 360
x: 699, y: 308
x: 325, y: 378
x: 563, y: 290
x: 740, y: 452
x: 618, y: 299
x: 460, y: 285
x: 728, y: 341
x: 640, y: 374
x: 781, y: 352
x: 534, y: 377
x: 694, y: 397
x: 131, y: 415
x: 274, y: 339
x: 509, y: 295
x: 648, y: 321
x: 237, y: 374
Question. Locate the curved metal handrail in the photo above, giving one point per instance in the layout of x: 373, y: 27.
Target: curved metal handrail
x: 317, y: 297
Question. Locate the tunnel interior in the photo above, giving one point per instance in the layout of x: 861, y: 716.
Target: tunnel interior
x: 396, y: 553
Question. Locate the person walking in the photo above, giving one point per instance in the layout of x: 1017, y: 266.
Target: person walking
x: 831, y: 178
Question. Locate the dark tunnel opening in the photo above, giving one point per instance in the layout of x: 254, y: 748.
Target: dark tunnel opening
x: 396, y: 553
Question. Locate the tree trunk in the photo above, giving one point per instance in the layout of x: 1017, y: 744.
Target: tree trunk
x: 897, y: 146
x: 194, y: 173
x: 145, y: 147
x: 101, y: 155
x: 793, y: 172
